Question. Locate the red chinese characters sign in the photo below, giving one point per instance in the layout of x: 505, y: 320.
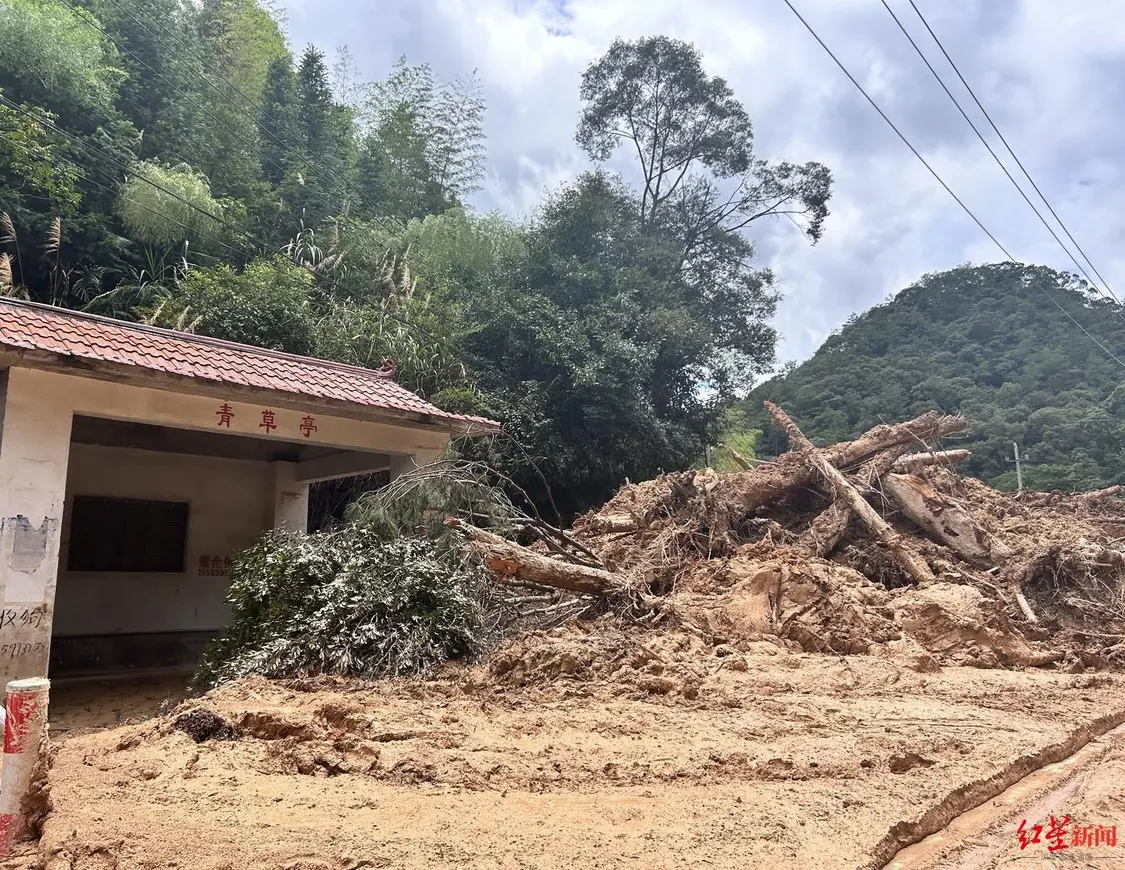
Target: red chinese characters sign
x: 271, y: 421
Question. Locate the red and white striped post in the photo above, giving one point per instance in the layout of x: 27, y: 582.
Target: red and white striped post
x: 25, y: 723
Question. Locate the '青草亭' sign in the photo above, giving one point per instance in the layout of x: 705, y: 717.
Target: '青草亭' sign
x: 270, y: 421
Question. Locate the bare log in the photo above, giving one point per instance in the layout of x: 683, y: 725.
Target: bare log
x: 511, y: 561
x: 609, y: 524
x: 912, y: 463
x: 739, y: 460
x: 1100, y: 493
x: 749, y: 490
x: 910, y: 562
x: 945, y: 520
x: 1026, y: 608
x: 826, y: 530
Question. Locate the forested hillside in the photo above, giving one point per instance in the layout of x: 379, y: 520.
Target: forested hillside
x: 987, y: 342
x: 178, y: 164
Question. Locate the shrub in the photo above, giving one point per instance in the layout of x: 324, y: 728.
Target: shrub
x: 348, y: 602
x: 266, y: 304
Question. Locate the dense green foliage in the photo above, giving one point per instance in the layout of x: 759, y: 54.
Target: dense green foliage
x: 176, y: 163
x: 347, y: 602
x: 986, y: 342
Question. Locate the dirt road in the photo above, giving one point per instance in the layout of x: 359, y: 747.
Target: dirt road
x: 1073, y: 810
x: 669, y: 756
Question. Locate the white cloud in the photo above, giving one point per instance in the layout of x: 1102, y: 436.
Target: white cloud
x: 1050, y: 74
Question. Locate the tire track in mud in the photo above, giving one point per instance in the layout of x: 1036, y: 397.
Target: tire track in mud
x: 972, y: 795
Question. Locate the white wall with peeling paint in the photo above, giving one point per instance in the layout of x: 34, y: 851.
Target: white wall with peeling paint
x: 34, y: 448
x: 231, y: 503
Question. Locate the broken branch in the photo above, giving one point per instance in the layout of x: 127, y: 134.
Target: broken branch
x: 1028, y: 613
x: 739, y: 460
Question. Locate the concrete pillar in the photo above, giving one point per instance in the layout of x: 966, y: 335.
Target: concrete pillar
x: 290, y: 498
x: 34, y: 449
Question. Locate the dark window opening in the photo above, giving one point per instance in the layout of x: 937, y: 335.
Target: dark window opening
x: 124, y: 534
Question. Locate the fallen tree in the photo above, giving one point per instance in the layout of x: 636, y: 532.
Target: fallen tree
x: 512, y: 561
x: 945, y: 519
x: 792, y: 537
x: 902, y: 552
x: 915, y: 462
x: 718, y: 507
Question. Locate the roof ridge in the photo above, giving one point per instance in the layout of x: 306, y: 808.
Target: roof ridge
x: 70, y: 313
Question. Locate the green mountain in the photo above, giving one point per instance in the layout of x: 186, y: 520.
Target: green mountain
x: 987, y: 342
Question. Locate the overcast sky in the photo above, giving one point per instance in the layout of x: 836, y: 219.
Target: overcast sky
x: 1050, y: 73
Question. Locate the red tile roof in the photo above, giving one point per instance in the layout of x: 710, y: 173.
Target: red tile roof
x: 30, y: 326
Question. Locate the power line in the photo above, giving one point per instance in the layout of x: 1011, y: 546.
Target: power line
x: 251, y: 144
x: 204, y: 63
x: 891, y: 124
x: 939, y: 179
x: 1019, y: 163
x: 990, y: 150
x: 91, y: 22
x: 156, y: 212
x: 344, y: 192
x: 126, y: 168
x: 98, y: 151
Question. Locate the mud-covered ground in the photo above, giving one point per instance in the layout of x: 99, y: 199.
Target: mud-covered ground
x: 578, y: 749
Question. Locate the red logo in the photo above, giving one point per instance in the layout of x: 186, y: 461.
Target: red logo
x: 1055, y: 837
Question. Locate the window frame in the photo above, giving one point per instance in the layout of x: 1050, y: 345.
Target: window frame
x: 136, y: 546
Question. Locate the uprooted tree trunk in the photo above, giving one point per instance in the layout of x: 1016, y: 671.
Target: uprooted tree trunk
x: 910, y: 562
x: 828, y: 527
x: 508, y: 560
x: 752, y: 489
x: 945, y: 520
x: 915, y: 462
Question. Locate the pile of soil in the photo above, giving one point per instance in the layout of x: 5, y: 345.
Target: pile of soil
x: 1048, y: 592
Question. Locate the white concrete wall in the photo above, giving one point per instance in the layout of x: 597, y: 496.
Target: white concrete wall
x: 231, y: 503
x: 34, y: 446
x: 115, y: 401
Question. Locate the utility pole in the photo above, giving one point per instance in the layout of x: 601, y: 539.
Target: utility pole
x: 1019, y: 469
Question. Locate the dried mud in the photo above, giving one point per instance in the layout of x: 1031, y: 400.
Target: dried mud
x: 580, y: 747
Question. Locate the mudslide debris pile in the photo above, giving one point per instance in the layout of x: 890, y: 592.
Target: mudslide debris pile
x: 875, y: 546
